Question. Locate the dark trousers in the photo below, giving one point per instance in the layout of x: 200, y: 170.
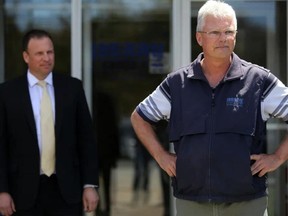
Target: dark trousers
x: 50, y: 202
x: 105, y: 171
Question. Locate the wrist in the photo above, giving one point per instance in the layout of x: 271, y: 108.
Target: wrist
x: 90, y: 186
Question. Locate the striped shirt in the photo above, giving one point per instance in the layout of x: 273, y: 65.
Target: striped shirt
x: 157, y: 106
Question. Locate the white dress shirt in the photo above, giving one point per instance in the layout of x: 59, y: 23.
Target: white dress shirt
x: 35, y: 91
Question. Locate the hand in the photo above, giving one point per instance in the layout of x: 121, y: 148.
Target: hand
x: 7, y: 206
x: 90, y: 199
x: 264, y: 163
x: 167, y: 162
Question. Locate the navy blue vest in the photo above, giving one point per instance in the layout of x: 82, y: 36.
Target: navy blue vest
x: 215, y: 131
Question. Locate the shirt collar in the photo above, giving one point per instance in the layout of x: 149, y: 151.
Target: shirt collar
x: 235, y: 70
x: 32, y: 80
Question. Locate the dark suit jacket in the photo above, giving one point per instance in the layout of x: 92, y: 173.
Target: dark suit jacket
x: 76, y: 151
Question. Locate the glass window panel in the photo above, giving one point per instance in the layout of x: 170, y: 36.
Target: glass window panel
x: 125, y: 36
x: 35, y: 1
x: 129, y: 45
x: 21, y: 16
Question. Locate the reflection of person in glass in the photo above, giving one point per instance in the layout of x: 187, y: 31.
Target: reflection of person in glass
x: 162, y: 135
x: 108, y: 144
x: 65, y: 183
x: 141, y: 180
x: 217, y: 108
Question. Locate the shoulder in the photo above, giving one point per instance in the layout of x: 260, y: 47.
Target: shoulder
x: 66, y: 79
x: 15, y: 80
x: 247, y: 68
x: 181, y: 73
x: 260, y: 74
x: 191, y: 70
x: 254, y: 73
x: 254, y: 67
x: 14, y: 83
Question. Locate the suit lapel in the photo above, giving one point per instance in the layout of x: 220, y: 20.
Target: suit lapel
x: 59, y: 97
x: 27, y: 105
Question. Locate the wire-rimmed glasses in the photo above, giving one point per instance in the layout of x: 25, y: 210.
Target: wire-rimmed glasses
x: 217, y: 34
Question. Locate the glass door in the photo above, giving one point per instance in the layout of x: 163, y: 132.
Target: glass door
x: 261, y: 39
x: 126, y: 47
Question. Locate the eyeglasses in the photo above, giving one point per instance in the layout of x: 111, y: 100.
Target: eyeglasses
x: 217, y: 34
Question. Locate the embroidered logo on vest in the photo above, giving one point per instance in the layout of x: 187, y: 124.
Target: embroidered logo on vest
x: 236, y: 103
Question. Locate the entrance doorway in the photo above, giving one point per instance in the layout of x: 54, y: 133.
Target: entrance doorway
x: 130, y: 57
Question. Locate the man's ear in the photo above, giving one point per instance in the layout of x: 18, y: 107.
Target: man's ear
x: 199, y: 38
x: 25, y: 56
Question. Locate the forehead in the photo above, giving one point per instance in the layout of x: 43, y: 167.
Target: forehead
x: 219, y: 23
x: 40, y: 43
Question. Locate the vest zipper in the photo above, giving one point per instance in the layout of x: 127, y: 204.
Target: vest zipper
x: 213, y: 98
x: 211, y: 139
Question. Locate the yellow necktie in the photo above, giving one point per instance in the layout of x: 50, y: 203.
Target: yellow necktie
x: 47, y: 132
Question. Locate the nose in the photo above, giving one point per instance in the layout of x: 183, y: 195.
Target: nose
x: 223, y: 33
x: 45, y: 56
x: 223, y: 36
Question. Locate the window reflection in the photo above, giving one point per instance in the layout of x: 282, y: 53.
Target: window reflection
x: 35, y: 1
x: 130, y: 45
x: 20, y: 16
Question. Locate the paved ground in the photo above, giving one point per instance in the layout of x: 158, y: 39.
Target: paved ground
x: 124, y: 202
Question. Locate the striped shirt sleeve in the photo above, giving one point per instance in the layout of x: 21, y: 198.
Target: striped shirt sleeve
x: 157, y: 105
x: 275, y: 100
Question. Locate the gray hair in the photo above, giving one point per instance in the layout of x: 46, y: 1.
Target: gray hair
x: 215, y: 8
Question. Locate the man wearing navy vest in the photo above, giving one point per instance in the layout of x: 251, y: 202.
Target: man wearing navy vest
x: 217, y: 108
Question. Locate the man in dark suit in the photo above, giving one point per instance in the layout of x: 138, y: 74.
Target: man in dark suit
x: 25, y: 189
